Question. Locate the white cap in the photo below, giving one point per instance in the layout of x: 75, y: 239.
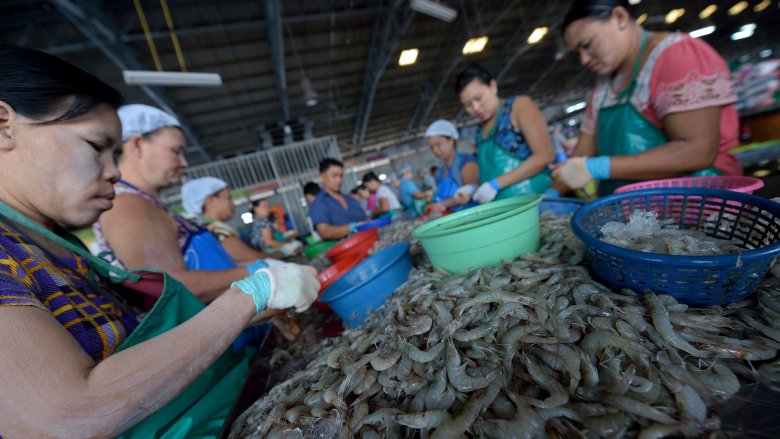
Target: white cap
x: 404, y: 169
x: 195, y: 192
x: 140, y: 119
x: 442, y: 127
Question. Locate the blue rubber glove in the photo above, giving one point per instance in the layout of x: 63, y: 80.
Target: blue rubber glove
x: 253, y: 266
x: 487, y: 191
x: 598, y: 167
x: 552, y: 193
x: 258, y: 285
x: 353, y: 227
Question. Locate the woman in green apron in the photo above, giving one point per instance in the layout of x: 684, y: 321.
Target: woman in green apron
x: 513, y: 146
x: 663, y: 105
x: 82, y: 355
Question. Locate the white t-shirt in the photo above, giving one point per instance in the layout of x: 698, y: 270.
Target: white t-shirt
x: 386, y: 192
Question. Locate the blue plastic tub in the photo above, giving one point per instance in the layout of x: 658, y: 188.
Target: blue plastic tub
x: 379, y: 222
x: 560, y: 206
x: 750, y: 220
x: 367, y: 285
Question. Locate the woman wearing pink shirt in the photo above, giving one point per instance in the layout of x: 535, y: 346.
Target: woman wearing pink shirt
x: 663, y: 105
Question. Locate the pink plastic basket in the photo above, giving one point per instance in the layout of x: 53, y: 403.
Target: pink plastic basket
x: 745, y: 185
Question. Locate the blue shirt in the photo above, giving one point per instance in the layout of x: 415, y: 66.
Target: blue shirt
x: 327, y: 210
x: 408, y: 189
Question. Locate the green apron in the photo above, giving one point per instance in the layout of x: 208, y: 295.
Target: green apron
x: 494, y: 161
x: 200, y: 409
x: 622, y: 130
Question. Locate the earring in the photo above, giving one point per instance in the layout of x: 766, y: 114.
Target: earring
x: 622, y: 25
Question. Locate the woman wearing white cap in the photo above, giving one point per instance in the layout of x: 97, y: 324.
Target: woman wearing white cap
x: 140, y: 231
x: 458, y: 170
x: 78, y: 357
x: 209, y: 199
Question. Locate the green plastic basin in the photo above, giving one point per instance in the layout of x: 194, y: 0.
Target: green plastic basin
x: 315, y: 250
x: 482, y: 235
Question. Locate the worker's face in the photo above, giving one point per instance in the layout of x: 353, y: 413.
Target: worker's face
x: 220, y: 205
x: 364, y: 193
x: 310, y: 198
x: 480, y: 100
x: 601, y: 45
x: 61, y: 172
x: 372, y: 185
x: 332, y: 178
x: 161, y: 156
x: 263, y: 209
x: 442, y: 147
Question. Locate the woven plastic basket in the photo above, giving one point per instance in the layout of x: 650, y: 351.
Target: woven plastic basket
x: 732, y: 183
x: 752, y: 221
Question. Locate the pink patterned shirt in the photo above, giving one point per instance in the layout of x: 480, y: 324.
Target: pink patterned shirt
x: 680, y: 74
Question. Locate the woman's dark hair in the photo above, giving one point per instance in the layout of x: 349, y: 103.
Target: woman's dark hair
x: 327, y: 162
x: 595, y: 9
x: 473, y: 71
x: 370, y: 176
x: 37, y: 85
x: 311, y: 188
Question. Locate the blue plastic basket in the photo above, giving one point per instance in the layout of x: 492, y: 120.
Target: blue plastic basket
x: 366, y: 286
x: 379, y: 222
x: 752, y: 221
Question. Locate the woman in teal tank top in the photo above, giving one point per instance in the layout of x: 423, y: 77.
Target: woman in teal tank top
x: 513, y: 145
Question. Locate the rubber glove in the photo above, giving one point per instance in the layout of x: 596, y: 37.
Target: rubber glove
x: 353, y: 227
x: 281, y: 286
x: 259, y: 264
x: 290, y: 248
x: 465, y: 191
x: 487, y: 192
x: 579, y: 171
x: 552, y: 193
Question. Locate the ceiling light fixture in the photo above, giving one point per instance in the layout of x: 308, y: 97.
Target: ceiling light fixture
x: 475, y: 45
x: 745, y: 31
x: 761, y: 6
x: 698, y: 33
x: 738, y: 8
x: 708, y: 11
x: 310, y: 97
x: 634, y: 2
x: 537, y: 35
x: 434, y: 9
x: 766, y: 53
x: 674, y: 15
x: 171, y: 79
x: 641, y: 18
x: 408, y: 57
x: 576, y: 107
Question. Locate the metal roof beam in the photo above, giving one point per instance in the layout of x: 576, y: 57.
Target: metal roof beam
x: 273, y: 16
x: 385, y: 38
x: 97, y: 28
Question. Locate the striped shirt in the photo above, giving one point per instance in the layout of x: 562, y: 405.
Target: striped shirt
x: 30, y: 277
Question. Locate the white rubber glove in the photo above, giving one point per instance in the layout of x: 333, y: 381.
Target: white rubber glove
x: 290, y: 248
x: 281, y: 286
x: 487, y: 192
x: 573, y: 173
x: 465, y: 191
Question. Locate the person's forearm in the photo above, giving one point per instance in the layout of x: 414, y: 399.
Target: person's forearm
x: 208, y: 285
x: 274, y: 243
x: 535, y: 164
x: 132, y: 384
x: 673, y: 159
x: 327, y: 231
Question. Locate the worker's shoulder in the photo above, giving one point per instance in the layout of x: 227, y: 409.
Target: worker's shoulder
x: 133, y: 206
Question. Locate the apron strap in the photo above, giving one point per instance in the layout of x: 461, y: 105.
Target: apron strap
x: 119, y: 275
x: 632, y: 85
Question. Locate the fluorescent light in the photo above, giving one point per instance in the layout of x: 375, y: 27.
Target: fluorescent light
x: 766, y: 53
x: 310, y: 97
x: 576, y: 107
x: 641, y: 18
x: 246, y: 218
x: 738, y: 8
x: 151, y: 77
x: 475, y: 45
x: 698, y: 33
x: 408, y: 57
x: 382, y: 177
x: 674, y: 15
x: 745, y: 31
x: 761, y: 6
x: 434, y: 9
x: 537, y: 35
x: 706, y: 12
x: 634, y: 2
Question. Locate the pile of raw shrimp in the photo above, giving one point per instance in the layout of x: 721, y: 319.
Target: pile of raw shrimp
x: 530, y: 348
